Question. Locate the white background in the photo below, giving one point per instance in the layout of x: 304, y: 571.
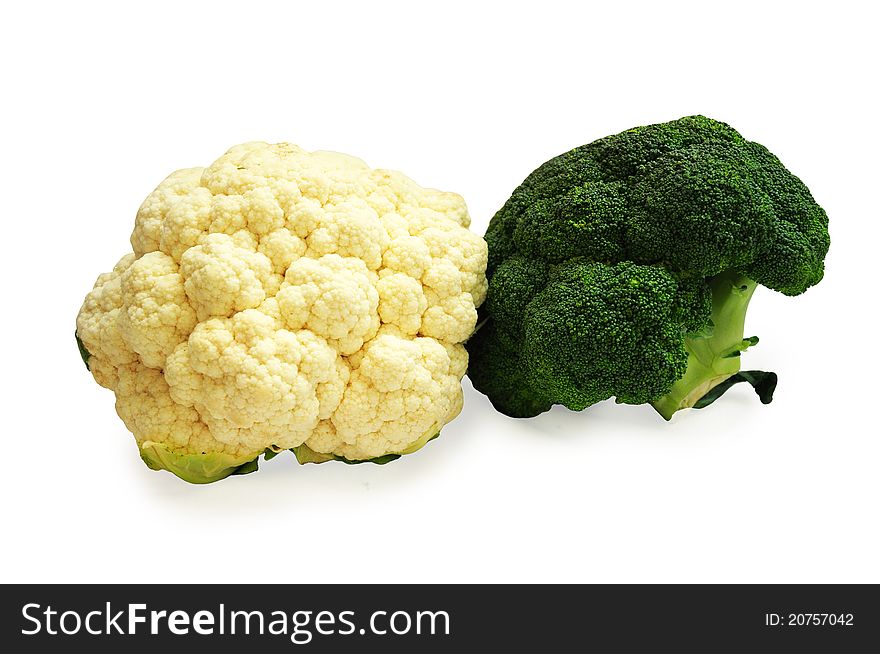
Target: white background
x: 101, y: 101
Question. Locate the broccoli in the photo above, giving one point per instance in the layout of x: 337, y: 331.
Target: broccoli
x: 624, y: 268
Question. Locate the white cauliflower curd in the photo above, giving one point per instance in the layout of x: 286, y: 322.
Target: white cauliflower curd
x: 283, y: 299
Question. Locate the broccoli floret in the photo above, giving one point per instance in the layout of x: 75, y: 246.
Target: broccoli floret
x: 624, y: 268
x: 599, y: 330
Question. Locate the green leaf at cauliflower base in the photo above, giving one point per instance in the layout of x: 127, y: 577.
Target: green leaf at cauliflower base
x: 304, y: 454
x: 83, y: 352
x: 197, y: 468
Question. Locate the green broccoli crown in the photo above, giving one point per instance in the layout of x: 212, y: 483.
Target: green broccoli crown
x: 600, y: 263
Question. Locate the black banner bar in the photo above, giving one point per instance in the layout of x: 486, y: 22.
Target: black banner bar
x: 434, y: 618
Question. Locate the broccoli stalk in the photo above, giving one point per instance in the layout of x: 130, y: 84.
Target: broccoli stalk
x: 713, y: 354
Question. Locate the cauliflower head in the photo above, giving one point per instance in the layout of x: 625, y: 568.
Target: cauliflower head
x: 284, y: 299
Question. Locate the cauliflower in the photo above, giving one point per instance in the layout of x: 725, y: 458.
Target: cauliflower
x: 283, y: 299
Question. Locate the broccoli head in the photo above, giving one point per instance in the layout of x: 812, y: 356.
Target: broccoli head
x: 624, y: 268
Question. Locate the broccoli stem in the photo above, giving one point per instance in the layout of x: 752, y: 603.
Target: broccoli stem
x: 714, y: 357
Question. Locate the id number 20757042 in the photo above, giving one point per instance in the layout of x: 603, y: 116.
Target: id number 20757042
x: 808, y: 619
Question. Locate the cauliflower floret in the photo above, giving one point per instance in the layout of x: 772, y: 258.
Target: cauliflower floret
x: 151, y: 217
x: 97, y: 326
x: 221, y: 277
x: 350, y: 229
x: 402, y: 389
x: 145, y: 405
x: 283, y: 248
x: 155, y: 315
x: 280, y: 298
x: 409, y: 255
x: 186, y: 223
x: 401, y: 302
x: 333, y: 297
x: 253, y: 383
